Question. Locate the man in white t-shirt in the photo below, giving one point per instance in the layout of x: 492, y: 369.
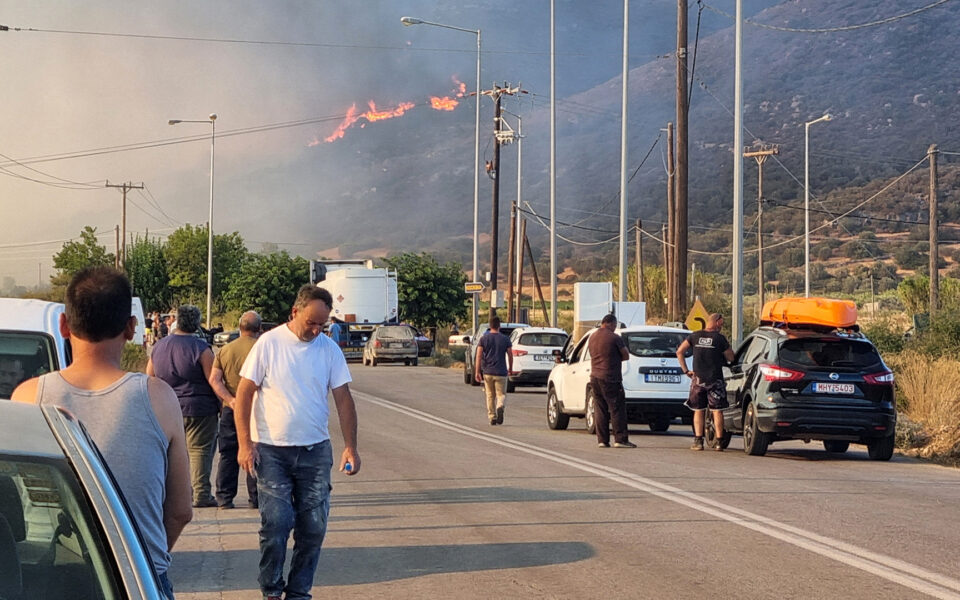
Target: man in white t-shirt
x: 281, y: 414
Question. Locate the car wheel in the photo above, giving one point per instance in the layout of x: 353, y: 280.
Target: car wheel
x: 511, y: 386
x: 755, y: 442
x: 406, y: 363
x: 881, y: 449
x: 373, y: 361
x: 836, y: 446
x: 589, y: 416
x: 659, y: 424
x: 413, y: 362
x: 556, y: 419
x: 467, y: 375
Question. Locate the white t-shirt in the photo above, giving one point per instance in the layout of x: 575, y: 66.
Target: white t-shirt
x: 291, y: 408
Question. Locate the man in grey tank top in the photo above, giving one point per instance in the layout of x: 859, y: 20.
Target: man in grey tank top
x: 134, y: 419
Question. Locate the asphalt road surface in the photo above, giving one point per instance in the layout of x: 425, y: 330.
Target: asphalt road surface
x: 447, y: 506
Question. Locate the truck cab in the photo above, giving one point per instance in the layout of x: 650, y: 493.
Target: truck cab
x: 30, y: 341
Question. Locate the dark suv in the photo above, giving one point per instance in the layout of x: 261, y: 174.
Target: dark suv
x: 811, y: 385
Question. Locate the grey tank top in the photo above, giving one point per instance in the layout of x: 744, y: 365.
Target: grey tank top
x: 120, y: 420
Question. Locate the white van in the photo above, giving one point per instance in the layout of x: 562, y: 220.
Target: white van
x: 137, y: 311
x: 30, y: 341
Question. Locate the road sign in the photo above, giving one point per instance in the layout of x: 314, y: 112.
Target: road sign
x: 473, y: 287
x: 697, y: 318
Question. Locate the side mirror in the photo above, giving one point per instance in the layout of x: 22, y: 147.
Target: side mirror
x: 466, y: 339
x: 558, y: 356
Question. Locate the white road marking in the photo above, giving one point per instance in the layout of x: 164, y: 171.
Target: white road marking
x: 892, y: 569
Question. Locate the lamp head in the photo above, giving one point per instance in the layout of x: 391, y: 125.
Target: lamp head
x: 827, y: 117
x: 410, y: 21
x: 174, y: 121
x: 213, y: 116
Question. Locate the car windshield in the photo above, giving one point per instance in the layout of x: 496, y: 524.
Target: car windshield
x: 396, y: 332
x: 22, y: 356
x: 543, y: 338
x: 653, y: 343
x: 58, y: 544
x: 830, y: 353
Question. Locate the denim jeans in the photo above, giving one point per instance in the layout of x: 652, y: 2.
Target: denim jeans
x: 166, y: 587
x: 293, y: 483
x: 227, y: 468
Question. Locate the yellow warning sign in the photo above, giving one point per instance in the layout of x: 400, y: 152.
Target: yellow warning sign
x: 697, y: 317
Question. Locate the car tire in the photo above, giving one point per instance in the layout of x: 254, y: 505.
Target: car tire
x: 556, y: 418
x: 511, y: 387
x: 467, y: 375
x: 659, y: 424
x: 881, y: 449
x: 373, y: 361
x: 413, y: 362
x: 835, y: 446
x: 406, y: 362
x: 589, y: 414
x: 755, y: 442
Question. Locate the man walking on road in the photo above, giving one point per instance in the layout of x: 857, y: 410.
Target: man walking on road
x: 607, y: 353
x: 134, y: 419
x: 281, y: 413
x: 224, y: 378
x: 710, y: 352
x: 492, y: 364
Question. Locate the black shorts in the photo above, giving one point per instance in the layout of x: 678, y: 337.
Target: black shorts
x: 711, y: 395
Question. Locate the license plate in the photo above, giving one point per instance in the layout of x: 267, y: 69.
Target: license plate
x: 543, y: 357
x: 657, y: 378
x: 833, y: 388
x: 396, y: 344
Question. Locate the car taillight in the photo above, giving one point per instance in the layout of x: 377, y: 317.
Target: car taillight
x: 377, y: 344
x: 518, y: 352
x: 773, y: 373
x: 881, y: 378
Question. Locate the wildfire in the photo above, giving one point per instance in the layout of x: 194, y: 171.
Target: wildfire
x: 445, y: 103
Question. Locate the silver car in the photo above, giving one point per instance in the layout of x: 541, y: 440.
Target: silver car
x: 391, y: 343
x: 65, y: 531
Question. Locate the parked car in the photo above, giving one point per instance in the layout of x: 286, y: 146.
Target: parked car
x: 30, y: 341
x: 505, y: 328
x: 533, y: 355
x: 65, y: 531
x: 391, y: 343
x: 424, y: 343
x: 810, y: 384
x: 654, y: 386
x: 223, y: 338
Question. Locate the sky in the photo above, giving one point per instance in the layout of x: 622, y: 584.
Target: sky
x: 87, y: 77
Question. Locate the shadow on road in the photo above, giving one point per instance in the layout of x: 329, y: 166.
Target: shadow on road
x: 468, y: 495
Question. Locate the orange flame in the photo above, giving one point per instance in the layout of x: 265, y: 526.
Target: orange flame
x: 445, y: 103
x: 378, y: 115
x: 349, y: 120
x: 461, y: 87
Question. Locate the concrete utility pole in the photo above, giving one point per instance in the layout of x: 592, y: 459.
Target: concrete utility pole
x: 116, y: 256
x: 513, y: 254
x: 520, y: 236
x: 122, y: 249
x: 622, y: 273
x: 639, y: 231
x: 670, y: 247
x: 553, y: 166
x: 736, y: 324
x: 760, y: 155
x: 934, y: 231
x: 493, y: 171
x: 683, y: 112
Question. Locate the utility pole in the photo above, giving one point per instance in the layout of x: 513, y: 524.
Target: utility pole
x: 622, y: 272
x: 122, y: 250
x: 520, y: 237
x: 536, y: 279
x: 512, y: 254
x: 683, y: 111
x: 666, y: 261
x: 934, y: 231
x: 760, y: 155
x: 639, y: 261
x: 116, y: 256
x: 671, y: 236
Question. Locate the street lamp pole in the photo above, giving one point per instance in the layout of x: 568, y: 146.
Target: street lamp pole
x: 212, y: 120
x: 806, y: 201
x: 476, y: 151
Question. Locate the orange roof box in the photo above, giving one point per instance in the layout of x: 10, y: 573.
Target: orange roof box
x: 824, y: 312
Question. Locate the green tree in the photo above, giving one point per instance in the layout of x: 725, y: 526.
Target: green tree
x: 186, y: 255
x: 268, y: 284
x: 147, y: 269
x: 76, y: 255
x: 430, y: 294
x: 914, y: 292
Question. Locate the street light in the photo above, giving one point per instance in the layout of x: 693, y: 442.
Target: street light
x: 806, y: 202
x: 476, y: 149
x: 212, y: 120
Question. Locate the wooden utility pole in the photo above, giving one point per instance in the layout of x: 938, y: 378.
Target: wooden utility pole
x: 760, y: 155
x: 671, y: 221
x: 116, y: 256
x: 122, y: 250
x: 680, y: 181
x: 511, y: 259
x: 934, y: 231
x: 639, y: 261
x: 523, y: 236
x: 536, y: 279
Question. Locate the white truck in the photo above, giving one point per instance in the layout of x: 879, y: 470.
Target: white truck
x: 30, y: 341
x: 364, y: 296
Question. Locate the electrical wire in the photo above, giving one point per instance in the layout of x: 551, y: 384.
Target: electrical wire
x: 831, y: 29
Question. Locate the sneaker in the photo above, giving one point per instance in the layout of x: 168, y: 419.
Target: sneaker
x: 253, y: 505
x: 225, y: 505
x: 500, y: 416
x: 718, y: 446
x: 207, y: 503
x: 603, y: 445
x: 493, y: 421
x: 624, y: 445
x: 697, y: 444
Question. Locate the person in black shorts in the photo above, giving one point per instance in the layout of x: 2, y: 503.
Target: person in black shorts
x: 710, y: 352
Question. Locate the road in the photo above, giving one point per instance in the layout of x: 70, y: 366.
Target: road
x: 448, y: 506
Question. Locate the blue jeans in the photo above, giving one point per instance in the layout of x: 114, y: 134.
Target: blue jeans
x: 293, y: 483
x: 166, y: 587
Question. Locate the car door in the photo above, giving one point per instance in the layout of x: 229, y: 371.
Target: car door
x: 577, y: 377
x: 743, y: 372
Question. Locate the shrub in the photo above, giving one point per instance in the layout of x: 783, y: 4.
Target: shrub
x: 885, y: 335
x: 929, y: 393
x: 940, y: 339
x: 134, y: 358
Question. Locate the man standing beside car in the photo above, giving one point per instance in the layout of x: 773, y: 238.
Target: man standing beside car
x: 224, y: 379
x: 607, y: 353
x: 491, y: 365
x: 133, y: 419
x: 711, y: 351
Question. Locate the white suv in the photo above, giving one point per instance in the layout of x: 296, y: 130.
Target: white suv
x: 533, y: 355
x: 654, y: 386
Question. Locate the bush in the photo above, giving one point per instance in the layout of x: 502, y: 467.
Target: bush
x: 886, y: 336
x: 134, y: 358
x: 940, y: 339
x: 929, y: 393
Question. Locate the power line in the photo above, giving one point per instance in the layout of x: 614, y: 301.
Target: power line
x: 829, y: 29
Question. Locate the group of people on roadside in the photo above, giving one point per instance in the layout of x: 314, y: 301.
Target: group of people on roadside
x: 263, y: 396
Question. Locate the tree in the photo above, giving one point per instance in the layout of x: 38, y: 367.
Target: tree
x: 268, y: 284
x: 147, y: 269
x: 430, y: 294
x: 186, y: 257
x: 76, y: 255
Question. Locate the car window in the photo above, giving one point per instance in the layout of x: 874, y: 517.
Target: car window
x: 578, y: 351
x: 60, y: 547
x: 756, y: 351
x: 22, y: 356
x: 542, y: 339
x: 653, y: 343
x: 830, y: 353
x: 396, y: 332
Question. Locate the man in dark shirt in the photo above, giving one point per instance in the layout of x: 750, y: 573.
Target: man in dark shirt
x: 492, y: 364
x: 710, y: 352
x: 607, y: 353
